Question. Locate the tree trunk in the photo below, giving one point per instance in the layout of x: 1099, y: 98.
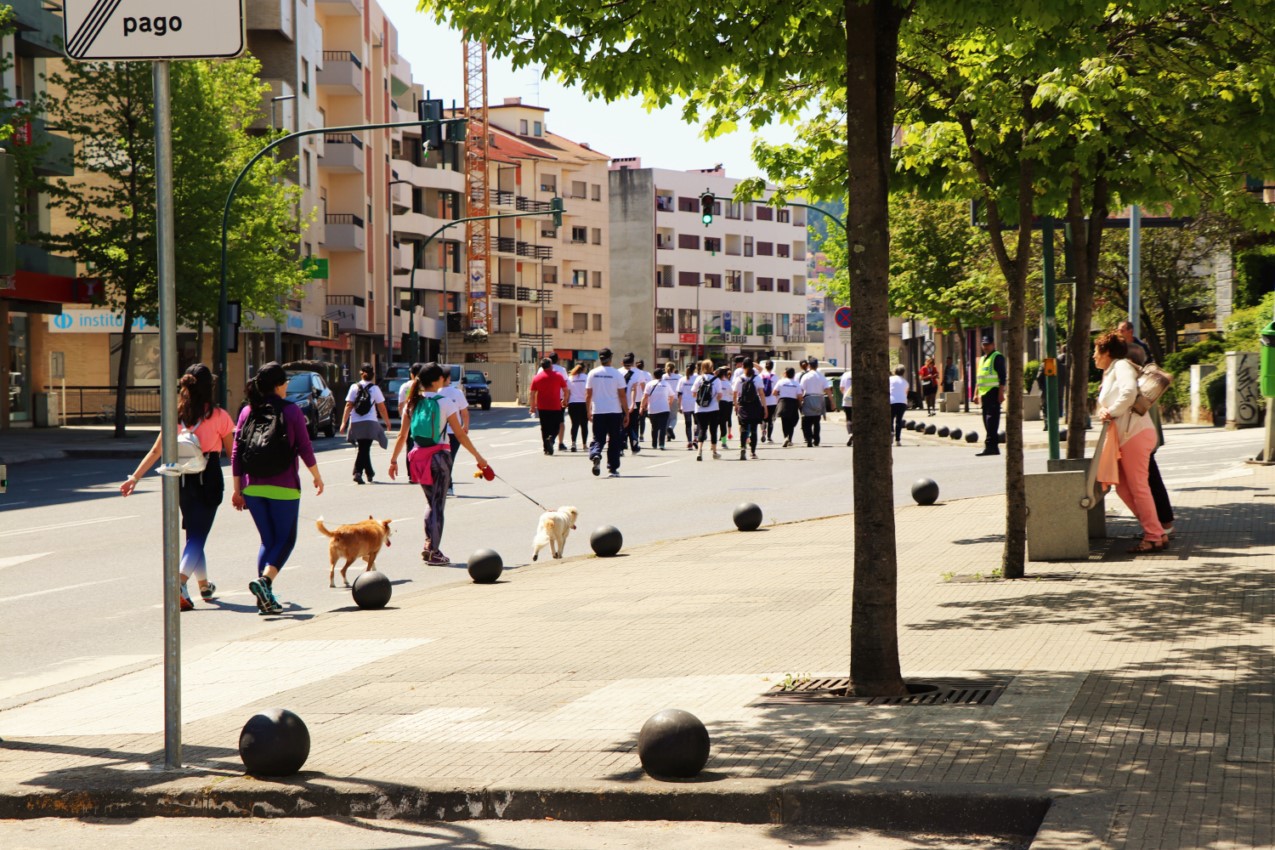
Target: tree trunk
x: 872, y: 44
x: 1086, y: 239
x: 122, y: 373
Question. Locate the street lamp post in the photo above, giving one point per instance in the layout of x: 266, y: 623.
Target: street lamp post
x: 389, y: 262
x: 274, y: 126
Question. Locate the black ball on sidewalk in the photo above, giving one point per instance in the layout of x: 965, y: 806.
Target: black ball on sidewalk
x: 673, y: 744
x: 274, y: 742
x: 925, y: 491
x: 606, y: 541
x: 1062, y: 434
x: 909, y: 425
x: 971, y: 437
x: 747, y: 517
x: 956, y: 434
x: 371, y: 590
x: 485, y: 566
x: 931, y: 429
x: 944, y: 431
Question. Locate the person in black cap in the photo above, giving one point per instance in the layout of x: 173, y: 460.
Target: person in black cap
x: 991, y: 392
x: 607, y: 399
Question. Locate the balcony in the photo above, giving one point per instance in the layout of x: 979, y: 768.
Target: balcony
x: 342, y: 153
x: 32, y: 258
x: 401, y: 197
x: 501, y: 198
x: 504, y: 244
x: 344, y: 232
x: 273, y: 16
x: 403, y: 257
x: 535, y: 252
x: 535, y: 296
x: 797, y: 336
x: 39, y: 30
x: 274, y: 113
x: 57, y: 153
x: 349, y: 312
x: 528, y: 205
x: 422, y: 225
x: 344, y: 8
x: 342, y: 73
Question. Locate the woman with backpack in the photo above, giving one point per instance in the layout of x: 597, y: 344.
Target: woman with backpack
x: 429, y: 461
x: 707, y: 417
x: 201, y: 493
x: 269, y: 440
x: 788, y: 392
x: 750, y: 407
x: 364, y: 410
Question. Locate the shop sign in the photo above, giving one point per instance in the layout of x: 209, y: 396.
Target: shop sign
x: 95, y: 321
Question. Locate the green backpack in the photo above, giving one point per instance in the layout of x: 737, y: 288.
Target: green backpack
x: 427, y: 422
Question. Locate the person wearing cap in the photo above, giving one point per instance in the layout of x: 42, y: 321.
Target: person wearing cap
x: 606, y: 395
x: 547, y: 399
x: 635, y: 379
x: 365, y: 428
x: 815, y: 388
x: 200, y: 494
x: 991, y: 393
x: 274, y: 501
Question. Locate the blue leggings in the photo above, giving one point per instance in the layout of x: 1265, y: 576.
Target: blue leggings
x: 276, y: 521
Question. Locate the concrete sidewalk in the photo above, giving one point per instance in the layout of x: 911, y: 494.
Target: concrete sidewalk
x: 31, y: 445
x: 1138, y: 691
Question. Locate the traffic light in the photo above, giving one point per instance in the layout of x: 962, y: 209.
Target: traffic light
x: 431, y: 110
x: 706, y: 204
x: 556, y: 206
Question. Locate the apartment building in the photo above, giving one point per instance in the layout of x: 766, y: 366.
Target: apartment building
x: 33, y: 296
x: 682, y: 290
x: 549, y: 285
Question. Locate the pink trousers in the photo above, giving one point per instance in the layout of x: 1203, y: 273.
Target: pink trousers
x: 1134, y: 489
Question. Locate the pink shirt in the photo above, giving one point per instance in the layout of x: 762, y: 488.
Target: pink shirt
x: 213, y: 429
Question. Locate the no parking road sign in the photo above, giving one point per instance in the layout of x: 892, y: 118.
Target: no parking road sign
x: 842, y: 317
x: 153, y: 29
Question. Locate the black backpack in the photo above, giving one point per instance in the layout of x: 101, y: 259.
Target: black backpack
x: 363, y: 401
x: 706, y: 392
x: 262, y: 443
x: 748, y: 394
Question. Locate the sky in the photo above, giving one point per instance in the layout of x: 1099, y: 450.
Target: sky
x: 624, y: 128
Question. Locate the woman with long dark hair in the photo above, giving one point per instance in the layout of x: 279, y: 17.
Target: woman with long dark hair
x: 788, y: 391
x: 201, y: 493
x: 271, y: 437
x: 577, y: 408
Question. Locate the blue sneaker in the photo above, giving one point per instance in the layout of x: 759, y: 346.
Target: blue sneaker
x: 264, y: 593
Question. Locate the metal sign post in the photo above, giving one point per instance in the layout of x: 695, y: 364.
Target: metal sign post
x: 155, y: 31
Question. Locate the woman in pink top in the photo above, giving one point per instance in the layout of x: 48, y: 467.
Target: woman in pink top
x: 201, y: 493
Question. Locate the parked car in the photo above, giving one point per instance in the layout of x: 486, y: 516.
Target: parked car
x: 477, y: 393
x: 391, y: 389
x: 308, y: 391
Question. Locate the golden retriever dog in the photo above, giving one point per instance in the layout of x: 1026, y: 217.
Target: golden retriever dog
x: 356, y: 540
x: 552, y: 531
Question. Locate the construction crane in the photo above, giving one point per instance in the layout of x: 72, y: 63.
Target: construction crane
x: 477, y: 139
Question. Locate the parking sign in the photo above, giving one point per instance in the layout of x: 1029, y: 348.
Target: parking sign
x: 153, y: 29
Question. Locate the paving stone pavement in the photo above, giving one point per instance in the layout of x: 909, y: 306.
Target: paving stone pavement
x: 1151, y: 679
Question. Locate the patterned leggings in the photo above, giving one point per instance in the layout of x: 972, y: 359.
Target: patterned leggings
x: 436, y: 499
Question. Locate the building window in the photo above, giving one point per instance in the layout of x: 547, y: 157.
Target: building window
x: 597, y: 321
x: 685, y: 204
x: 664, y: 320
x: 596, y: 189
x: 688, y: 240
x: 688, y: 278
x: 734, y: 281
x: 580, y: 322
x: 687, y: 321
x: 579, y: 235
x: 597, y: 280
x: 537, y: 128
x: 579, y: 277
x: 748, y: 246
x: 765, y: 213
x: 548, y: 183
x: 305, y: 76
x: 713, y: 281
x: 765, y: 284
x: 305, y: 177
x: 765, y: 323
x: 551, y: 320
x: 597, y: 236
x: 783, y: 216
x: 712, y: 244
x: 782, y: 249
x: 549, y: 274
x: 522, y: 126
x: 664, y: 277
x: 664, y: 203
x: 784, y: 285
x: 765, y: 249
x: 578, y: 189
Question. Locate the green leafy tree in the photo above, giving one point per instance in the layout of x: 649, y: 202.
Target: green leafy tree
x: 108, y: 108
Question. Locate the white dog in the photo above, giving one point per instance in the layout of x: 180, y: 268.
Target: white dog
x: 552, y: 531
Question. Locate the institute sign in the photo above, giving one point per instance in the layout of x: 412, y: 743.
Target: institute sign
x: 153, y: 29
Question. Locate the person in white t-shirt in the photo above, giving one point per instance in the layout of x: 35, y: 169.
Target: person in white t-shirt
x: 686, y: 403
x: 898, y: 400
x: 769, y: 379
x: 847, y: 404
x: 562, y: 429
x: 457, y: 395
x: 725, y: 405
x: 787, y: 395
x: 671, y: 380
x: 429, y: 461
x: 636, y: 379
x: 749, y: 393
x: 657, y: 400
x: 707, y: 416
x: 364, y: 410
x: 576, y: 407
x: 412, y: 372
x: 814, y: 389
x: 607, y: 398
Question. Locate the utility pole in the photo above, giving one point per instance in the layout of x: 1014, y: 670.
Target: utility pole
x: 278, y: 329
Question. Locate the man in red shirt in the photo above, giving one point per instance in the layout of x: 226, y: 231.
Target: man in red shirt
x: 548, y: 399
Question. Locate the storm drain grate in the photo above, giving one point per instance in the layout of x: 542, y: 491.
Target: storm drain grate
x: 934, y: 693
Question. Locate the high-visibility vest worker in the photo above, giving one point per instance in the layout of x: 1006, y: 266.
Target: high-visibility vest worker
x: 988, y: 380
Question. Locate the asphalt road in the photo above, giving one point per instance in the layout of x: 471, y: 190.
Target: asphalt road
x: 80, y: 567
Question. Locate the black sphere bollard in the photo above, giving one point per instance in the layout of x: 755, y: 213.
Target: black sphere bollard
x: 1062, y: 434
x: 945, y: 431
x: 371, y: 590
x: 673, y: 744
x: 485, y: 566
x: 956, y: 434
x: 606, y: 541
x: 925, y: 491
x: 971, y: 437
x: 931, y: 429
x: 909, y: 425
x: 747, y: 517
x: 274, y: 743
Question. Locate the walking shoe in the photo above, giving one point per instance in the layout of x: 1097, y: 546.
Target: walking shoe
x: 899, y: 443
x: 699, y: 456
x: 438, y: 559
x: 614, y: 473
x: 207, y: 591
x: 637, y: 450
x: 562, y: 447
x: 787, y: 443
x: 184, y: 603
x: 370, y: 478
x: 597, y: 462
x: 849, y: 442
x: 358, y: 479
x: 573, y: 447
x: 451, y: 491
x: 724, y: 446
x: 716, y: 456
x: 754, y: 455
x: 264, y: 593
x: 743, y: 455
